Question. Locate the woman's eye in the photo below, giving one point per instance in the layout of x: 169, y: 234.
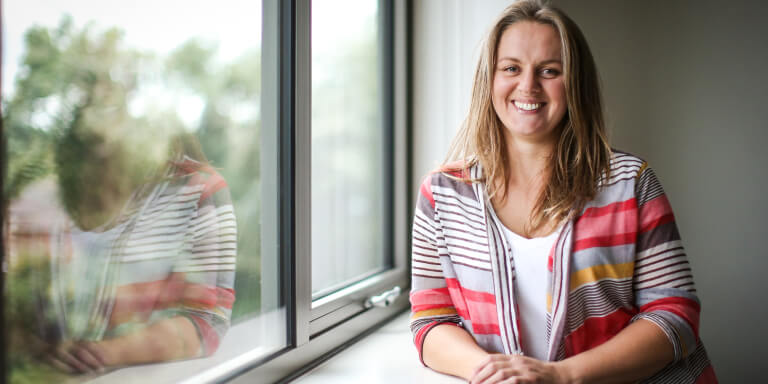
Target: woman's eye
x: 512, y: 69
x: 549, y: 72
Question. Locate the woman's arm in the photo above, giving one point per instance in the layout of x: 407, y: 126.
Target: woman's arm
x: 168, y: 339
x: 431, y: 303
x: 637, y: 352
x: 165, y: 340
x: 452, y: 350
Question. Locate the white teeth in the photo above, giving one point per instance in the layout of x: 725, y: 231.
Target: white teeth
x: 527, y: 107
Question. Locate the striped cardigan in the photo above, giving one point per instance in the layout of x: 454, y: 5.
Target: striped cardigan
x: 619, y: 260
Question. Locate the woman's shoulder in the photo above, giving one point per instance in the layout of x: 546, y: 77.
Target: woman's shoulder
x: 451, y: 179
x: 624, y: 159
x: 629, y: 176
x: 452, y: 174
x: 201, y: 176
x: 460, y: 169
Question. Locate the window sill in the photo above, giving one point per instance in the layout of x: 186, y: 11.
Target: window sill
x: 385, y: 356
x: 233, y: 355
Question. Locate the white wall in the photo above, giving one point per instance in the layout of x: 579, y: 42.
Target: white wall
x: 686, y: 87
x: 447, y: 41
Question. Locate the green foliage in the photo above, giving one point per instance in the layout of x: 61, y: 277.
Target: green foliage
x: 25, y: 290
x: 27, y: 166
x: 33, y: 372
x: 68, y: 78
x: 191, y: 65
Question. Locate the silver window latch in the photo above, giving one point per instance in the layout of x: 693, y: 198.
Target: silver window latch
x: 383, y: 299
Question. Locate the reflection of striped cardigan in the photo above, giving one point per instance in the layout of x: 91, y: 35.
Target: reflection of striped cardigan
x: 620, y: 260
x: 170, y: 253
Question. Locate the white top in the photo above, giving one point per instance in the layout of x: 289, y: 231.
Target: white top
x: 530, y: 258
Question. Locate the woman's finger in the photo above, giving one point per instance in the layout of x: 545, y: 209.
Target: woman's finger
x: 99, y: 351
x: 497, y: 371
x: 517, y: 380
x: 482, y: 372
x: 489, y: 374
x: 503, y: 373
x: 86, y: 356
x: 60, y: 365
x: 66, y: 357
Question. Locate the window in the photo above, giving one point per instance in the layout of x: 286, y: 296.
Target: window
x: 222, y: 186
x: 349, y: 140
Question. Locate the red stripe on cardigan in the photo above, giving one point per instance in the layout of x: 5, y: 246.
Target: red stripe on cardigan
x: 597, y: 330
x: 660, y: 221
x: 140, y: 299
x: 685, y: 308
x: 212, y: 182
x: 457, y: 169
x: 618, y: 220
x: 470, y: 294
x: 605, y: 241
x: 475, y: 306
x: 654, y: 213
x: 430, y: 299
x: 426, y: 191
x: 215, y: 184
x: 177, y: 289
x: 210, y: 337
x: 612, y: 208
x: 609, y: 225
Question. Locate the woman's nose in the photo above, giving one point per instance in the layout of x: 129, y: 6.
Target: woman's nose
x: 528, y: 82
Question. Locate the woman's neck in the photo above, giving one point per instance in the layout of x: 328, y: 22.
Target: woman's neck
x: 528, y: 160
x: 529, y: 170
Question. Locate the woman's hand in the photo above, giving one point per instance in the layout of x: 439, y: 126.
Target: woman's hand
x: 79, y: 357
x: 518, y: 369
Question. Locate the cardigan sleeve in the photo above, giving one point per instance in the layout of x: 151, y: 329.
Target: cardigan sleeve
x: 663, y: 282
x: 430, y: 301
x: 205, y: 276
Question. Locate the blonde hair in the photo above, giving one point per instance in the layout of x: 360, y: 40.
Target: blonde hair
x: 581, y: 155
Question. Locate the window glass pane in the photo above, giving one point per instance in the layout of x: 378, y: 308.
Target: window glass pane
x: 141, y: 157
x: 348, y: 139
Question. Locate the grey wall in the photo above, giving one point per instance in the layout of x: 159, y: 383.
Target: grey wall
x: 686, y: 87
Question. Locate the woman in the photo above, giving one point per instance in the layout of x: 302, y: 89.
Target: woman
x: 539, y: 254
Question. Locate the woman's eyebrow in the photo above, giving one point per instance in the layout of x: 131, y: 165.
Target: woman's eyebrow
x: 544, y: 62
x: 507, y: 58
x: 551, y: 61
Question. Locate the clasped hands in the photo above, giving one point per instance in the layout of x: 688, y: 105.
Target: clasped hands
x: 80, y: 357
x: 518, y: 369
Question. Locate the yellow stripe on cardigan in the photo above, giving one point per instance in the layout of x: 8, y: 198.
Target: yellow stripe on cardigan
x: 599, y: 272
x: 434, y: 312
x: 642, y: 169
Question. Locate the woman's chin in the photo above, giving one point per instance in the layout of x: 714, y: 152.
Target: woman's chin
x: 532, y: 133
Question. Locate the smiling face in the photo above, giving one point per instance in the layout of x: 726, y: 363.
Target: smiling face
x: 528, y: 85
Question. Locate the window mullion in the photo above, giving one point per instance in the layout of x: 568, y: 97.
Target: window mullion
x: 402, y: 137
x: 303, y: 170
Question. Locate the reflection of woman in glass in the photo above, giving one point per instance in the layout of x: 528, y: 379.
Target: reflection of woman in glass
x: 145, y: 271
x: 542, y: 255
